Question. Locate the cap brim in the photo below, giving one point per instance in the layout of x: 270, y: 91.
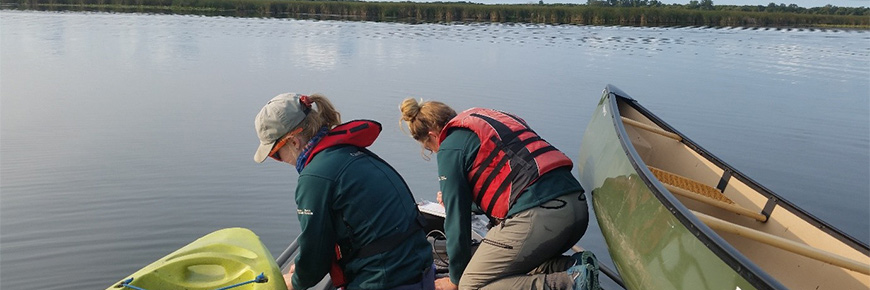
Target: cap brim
x: 263, y: 152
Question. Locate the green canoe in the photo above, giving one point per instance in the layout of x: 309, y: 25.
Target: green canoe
x: 676, y: 217
x: 220, y: 259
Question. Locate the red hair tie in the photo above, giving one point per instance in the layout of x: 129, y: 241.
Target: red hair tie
x: 305, y: 101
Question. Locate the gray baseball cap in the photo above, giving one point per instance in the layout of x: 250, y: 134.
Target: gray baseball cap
x: 278, y: 117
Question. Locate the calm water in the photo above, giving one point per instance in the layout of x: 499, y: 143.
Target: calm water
x: 127, y: 136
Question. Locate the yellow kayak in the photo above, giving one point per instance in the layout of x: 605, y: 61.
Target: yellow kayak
x: 232, y: 258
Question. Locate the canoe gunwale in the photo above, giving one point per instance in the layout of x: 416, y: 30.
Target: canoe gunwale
x: 727, y: 253
x: 284, y: 260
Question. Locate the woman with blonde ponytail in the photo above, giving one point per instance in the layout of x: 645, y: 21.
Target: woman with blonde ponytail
x: 493, y: 161
x: 359, y: 221
x: 420, y: 120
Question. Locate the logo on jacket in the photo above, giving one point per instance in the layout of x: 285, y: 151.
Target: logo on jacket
x: 304, y: 211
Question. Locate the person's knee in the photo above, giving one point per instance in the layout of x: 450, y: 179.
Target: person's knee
x: 470, y: 281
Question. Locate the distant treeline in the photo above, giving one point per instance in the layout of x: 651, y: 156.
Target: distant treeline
x: 612, y: 12
x: 708, y: 5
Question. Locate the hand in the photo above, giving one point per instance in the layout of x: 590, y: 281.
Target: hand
x: 438, y: 198
x: 445, y: 284
x: 288, y: 276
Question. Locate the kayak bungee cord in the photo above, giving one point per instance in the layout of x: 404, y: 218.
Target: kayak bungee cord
x: 259, y: 279
x: 126, y: 283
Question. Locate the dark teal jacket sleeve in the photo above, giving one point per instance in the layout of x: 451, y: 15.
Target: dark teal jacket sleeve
x: 317, y: 240
x: 455, y: 155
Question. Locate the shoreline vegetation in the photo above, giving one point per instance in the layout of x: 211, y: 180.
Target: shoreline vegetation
x: 594, y: 12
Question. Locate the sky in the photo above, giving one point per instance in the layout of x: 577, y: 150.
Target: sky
x: 801, y: 3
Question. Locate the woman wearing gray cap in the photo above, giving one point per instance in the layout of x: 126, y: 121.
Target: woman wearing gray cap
x: 359, y: 219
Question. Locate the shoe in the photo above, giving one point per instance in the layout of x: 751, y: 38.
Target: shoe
x: 585, y: 271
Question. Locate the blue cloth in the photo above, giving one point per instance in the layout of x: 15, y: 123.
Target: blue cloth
x: 300, y: 162
x: 427, y: 283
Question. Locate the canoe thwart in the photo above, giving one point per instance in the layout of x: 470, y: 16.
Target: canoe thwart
x: 700, y: 192
x: 729, y: 207
x: 653, y: 129
x: 784, y: 244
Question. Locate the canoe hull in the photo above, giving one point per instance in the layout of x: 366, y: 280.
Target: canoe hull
x: 647, y: 240
x: 676, y: 216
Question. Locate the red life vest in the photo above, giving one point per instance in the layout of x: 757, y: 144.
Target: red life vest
x: 511, y: 157
x: 360, y: 133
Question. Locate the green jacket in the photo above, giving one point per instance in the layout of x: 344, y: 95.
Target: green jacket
x: 347, y: 196
x: 455, y: 158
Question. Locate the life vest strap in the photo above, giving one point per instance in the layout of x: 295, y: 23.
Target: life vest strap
x: 542, y: 151
x: 508, y: 150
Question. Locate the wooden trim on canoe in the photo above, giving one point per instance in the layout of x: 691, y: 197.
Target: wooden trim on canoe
x: 729, y: 207
x: 785, y: 244
x: 656, y: 130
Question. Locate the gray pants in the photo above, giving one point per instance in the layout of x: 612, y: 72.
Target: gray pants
x: 525, y: 251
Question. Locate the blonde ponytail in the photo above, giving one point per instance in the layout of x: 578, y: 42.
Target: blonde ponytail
x: 424, y: 117
x: 323, y: 113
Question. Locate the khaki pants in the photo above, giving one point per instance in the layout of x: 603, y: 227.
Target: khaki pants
x: 525, y: 251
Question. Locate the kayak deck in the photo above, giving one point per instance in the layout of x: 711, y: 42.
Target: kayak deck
x: 220, y: 259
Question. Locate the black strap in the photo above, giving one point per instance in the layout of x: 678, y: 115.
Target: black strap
x: 723, y: 182
x: 348, y: 131
x: 390, y: 242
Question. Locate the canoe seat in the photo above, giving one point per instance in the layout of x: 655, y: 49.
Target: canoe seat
x: 703, y: 193
x: 690, y: 185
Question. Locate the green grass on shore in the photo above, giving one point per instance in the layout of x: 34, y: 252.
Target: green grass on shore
x: 674, y: 15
